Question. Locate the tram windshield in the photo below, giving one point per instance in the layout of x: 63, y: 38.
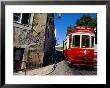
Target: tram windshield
x: 76, y: 41
x: 85, y: 41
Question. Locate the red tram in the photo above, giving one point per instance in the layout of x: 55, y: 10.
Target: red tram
x: 79, y: 46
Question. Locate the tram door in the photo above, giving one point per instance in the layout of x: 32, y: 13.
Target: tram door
x: 18, y: 55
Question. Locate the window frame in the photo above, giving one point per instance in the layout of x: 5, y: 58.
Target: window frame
x: 80, y: 34
x: 85, y: 41
x: 30, y: 19
x: 23, y: 26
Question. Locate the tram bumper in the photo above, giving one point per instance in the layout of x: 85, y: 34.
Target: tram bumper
x: 84, y: 63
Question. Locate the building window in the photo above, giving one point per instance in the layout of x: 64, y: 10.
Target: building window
x: 22, y: 18
x: 17, y: 17
x: 18, y: 55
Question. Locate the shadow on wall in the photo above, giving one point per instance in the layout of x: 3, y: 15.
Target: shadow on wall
x: 53, y: 58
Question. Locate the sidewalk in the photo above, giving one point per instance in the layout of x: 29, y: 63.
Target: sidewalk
x: 41, y: 71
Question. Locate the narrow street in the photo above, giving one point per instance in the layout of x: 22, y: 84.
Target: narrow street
x: 58, y: 66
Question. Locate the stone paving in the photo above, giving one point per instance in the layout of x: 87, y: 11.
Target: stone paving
x: 41, y: 71
x: 63, y: 69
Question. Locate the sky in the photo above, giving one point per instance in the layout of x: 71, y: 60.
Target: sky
x: 66, y: 20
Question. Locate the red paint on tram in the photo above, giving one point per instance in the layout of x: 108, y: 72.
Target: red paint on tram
x: 80, y: 51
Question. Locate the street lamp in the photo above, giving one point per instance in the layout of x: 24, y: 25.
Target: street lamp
x: 59, y: 15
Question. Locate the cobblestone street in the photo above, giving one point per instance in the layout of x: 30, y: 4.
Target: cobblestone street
x: 62, y: 68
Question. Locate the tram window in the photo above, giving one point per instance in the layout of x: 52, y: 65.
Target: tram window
x: 65, y: 45
x: 85, y: 41
x: 92, y: 41
x: 76, y: 41
x: 70, y: 41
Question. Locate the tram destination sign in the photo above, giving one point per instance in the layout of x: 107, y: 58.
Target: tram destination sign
x: 83, y: 29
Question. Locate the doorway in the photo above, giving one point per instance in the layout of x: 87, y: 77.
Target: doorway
x: 18, y: 56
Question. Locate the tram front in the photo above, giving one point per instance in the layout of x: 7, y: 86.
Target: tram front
x: 81, y: 48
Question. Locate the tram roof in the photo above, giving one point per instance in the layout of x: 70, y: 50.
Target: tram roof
x: 83, y: 29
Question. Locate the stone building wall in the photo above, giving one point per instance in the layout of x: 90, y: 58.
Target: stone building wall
x: 34, y: 40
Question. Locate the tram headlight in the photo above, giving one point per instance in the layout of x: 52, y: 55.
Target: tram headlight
x: 85, y: 51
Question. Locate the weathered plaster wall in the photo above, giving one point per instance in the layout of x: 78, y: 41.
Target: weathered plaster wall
x: 34, y: 39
